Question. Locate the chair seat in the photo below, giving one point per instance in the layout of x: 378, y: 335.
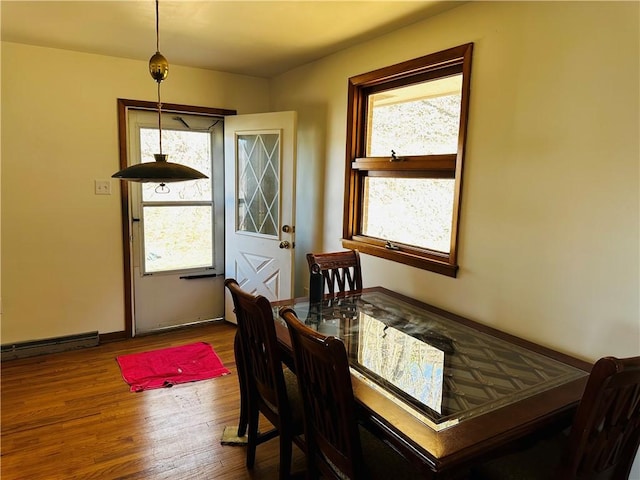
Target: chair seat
x: 295, y: 401
x: 537, y: 462
x: 382, y: 461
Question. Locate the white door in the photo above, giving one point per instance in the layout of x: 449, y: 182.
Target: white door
x: 178, y: 234
x: 260, y: 162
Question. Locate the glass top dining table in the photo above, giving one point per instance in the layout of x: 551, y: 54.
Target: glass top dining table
x: 428, y: 378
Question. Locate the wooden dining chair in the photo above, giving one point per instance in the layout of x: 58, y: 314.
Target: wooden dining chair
x: 603, y: 440
x: 341, y: 270
x: 337, y: 446
x: 269, y: 389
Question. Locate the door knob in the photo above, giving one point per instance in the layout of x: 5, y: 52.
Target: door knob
x: 285, y: 244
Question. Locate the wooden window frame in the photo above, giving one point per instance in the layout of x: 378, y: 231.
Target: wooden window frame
x: 430, y: 67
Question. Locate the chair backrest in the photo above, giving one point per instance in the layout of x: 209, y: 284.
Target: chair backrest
x: 605, y: 434
x: 331, y: 430
x: 341, y: 270
x: 260, y: 351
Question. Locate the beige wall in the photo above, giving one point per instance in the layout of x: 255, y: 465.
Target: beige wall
x: 549, y: 237
x: 62, y: 259
x: 550, y: 222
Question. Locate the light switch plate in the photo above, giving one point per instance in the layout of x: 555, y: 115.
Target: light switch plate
x: 103, y: 187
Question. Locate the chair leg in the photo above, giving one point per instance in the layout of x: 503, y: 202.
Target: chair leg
x: 285, y: 455
x: 312, y: 472
x: 252, y: 441
x: 242, y: 379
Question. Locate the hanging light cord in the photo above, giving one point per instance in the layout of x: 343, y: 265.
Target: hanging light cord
x: 159, y: 118
x: 157, y: 26
x: 162, y: 188
x: 159, y: 80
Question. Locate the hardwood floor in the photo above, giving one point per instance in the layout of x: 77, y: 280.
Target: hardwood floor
x: 71, y: 416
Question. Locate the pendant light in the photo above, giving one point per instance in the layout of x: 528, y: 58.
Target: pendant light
x: 160, y: 171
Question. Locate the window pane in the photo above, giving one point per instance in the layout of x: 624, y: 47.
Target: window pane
x: 413, y: 211
x: 192, y: 149
x: 177, y: 238
x: 259, y: 183
x: 421, y: 119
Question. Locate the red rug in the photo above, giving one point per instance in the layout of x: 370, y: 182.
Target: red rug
x: 170, y: 366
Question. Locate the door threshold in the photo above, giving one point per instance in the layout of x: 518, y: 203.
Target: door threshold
x: 182, y: 326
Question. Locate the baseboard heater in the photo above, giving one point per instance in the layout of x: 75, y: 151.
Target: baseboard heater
x: 14, y: 351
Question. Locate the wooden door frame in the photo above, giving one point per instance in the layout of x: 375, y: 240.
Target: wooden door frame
x: 124, y: 106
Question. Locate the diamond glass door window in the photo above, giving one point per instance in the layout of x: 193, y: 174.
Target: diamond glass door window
x: 258, y: 183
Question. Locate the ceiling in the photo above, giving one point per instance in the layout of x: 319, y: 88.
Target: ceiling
x: 260, y: 38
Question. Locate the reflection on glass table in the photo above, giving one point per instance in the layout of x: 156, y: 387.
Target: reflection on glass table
x: 440, y: 370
